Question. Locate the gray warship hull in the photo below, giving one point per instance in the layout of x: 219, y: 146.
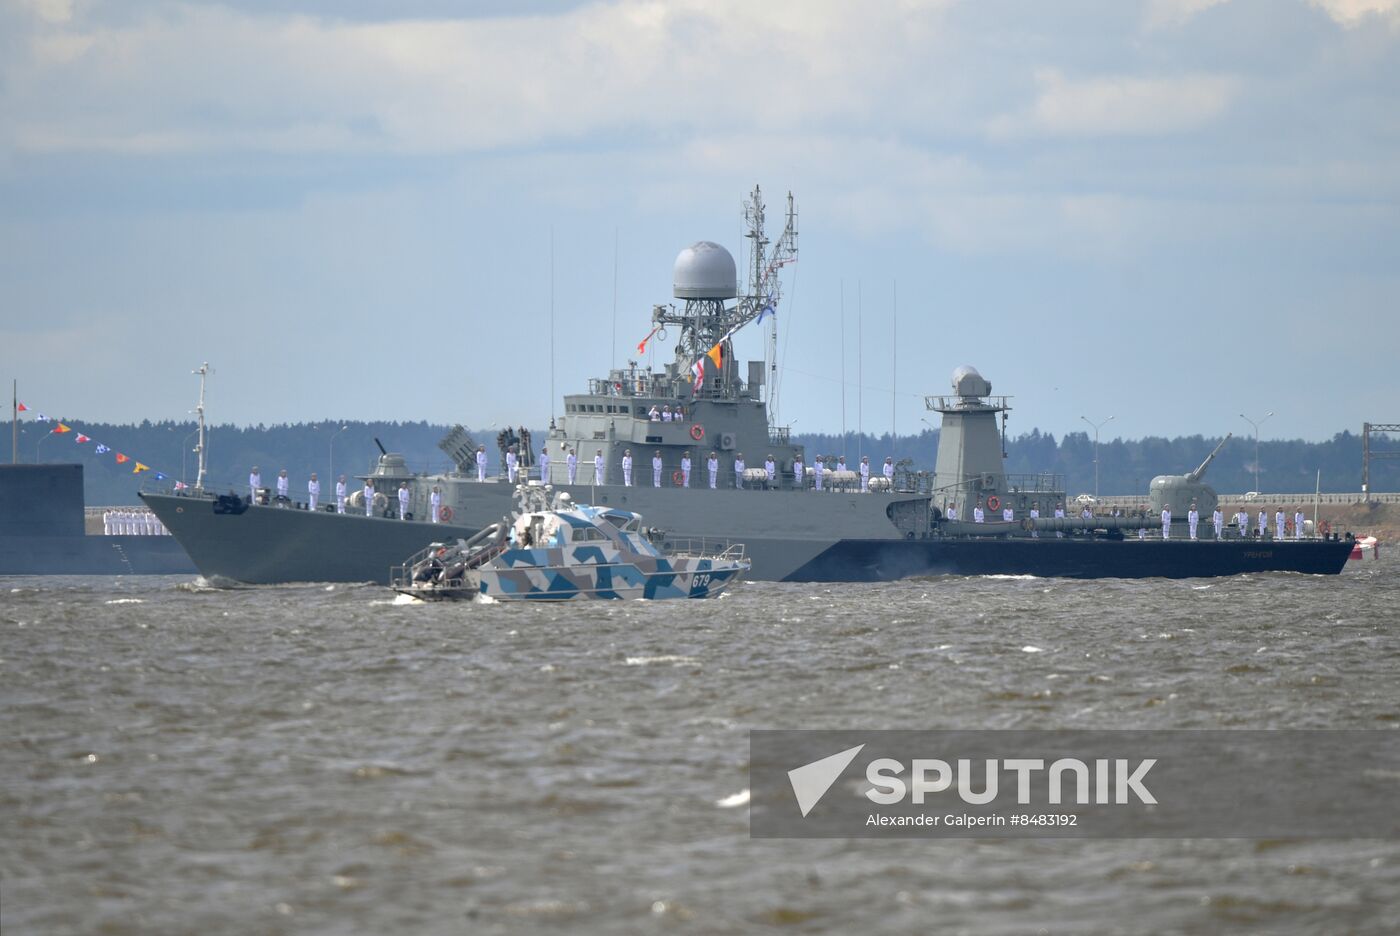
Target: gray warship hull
x: 793, y: 536
x: 42, y: 530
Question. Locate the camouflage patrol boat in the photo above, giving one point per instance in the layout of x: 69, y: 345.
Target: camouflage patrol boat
x: 555, y: 550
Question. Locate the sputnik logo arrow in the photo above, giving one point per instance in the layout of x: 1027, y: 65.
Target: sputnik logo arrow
x: 811, y: 781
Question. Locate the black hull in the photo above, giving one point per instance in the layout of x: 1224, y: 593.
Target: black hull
x: 854, y: 560
x: 93, y: 555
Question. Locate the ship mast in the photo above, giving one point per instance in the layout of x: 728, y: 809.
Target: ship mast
x: 706, y: 321
x: 203, y: 373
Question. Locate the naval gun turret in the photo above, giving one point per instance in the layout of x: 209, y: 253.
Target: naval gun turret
x: 1180, y: 491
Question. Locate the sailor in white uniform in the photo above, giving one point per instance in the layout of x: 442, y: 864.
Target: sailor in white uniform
x: 1087, y: 513
x: 685, y: 470
x: 865, y: 474
x: 313, y: 492
x: 1035, y: 515
x: 435, y: 499
x: 571, y: 461
x: 818, y: 469
x: 1008, y: 514
x: 841, y: 463
x: 712, y: 465
x: 1193, y: 519
x: 1299, y: 521
x: 1166, y: 521
x: 799, y: 474
x: 544, y: 464
x: 481, y: 463
x: 1242, y: 521
x: 666, y: 414
x: 656, y: 469
x: 627, y: 466
x: 771, y: 467
x: 254, y: 482
x: 952, y: 511
x: 284, y: 487
x: 511, y: 462
x: 1263, y: 521
x: 403, y: 500
x: 1217, y: 518
x: 739, y: 470
x: 1280, y: 524
x: 369, y: 499
x: 1059, y: 515
x: 888, y: 471
x: 978, y: 514
x: 598, y: 467
x: 654, y: 414
x: 340, y: 495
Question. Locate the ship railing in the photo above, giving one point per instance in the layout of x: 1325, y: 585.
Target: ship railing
x: 780, y: 435
x: 702, y: 548
x: 1045, y: 483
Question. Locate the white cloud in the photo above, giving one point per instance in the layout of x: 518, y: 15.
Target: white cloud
x: 190, y: 77
x: 1166, y: 13
x: 1119, y: 105
x: 1352, y: 13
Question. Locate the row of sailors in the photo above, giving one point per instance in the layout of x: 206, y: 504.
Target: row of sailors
x: 1283, y: 528
x: 680, y: 477
x: 132, y: 523
x: 342, y: 494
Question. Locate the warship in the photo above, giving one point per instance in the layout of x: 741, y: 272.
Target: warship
x: 799, y: 522
x: 43, y: 530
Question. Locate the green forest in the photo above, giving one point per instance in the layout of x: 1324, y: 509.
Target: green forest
x: 332, y: 447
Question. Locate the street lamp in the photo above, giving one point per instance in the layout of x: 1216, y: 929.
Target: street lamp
x: 1256, y: 426
x: 330, y: 474
x: 1096, y: 426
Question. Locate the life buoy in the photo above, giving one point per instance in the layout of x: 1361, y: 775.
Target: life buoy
x: 677, y: 478
x: 445, y: 514
x: 993, y: 502
x: 697, y: 432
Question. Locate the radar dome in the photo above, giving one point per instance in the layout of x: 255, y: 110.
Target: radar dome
x: 969, y: 383
x: 705, y: 270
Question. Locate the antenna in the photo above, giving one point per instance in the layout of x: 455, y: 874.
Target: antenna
x: 551, y: 321
x: 203, y: 373
x: 612, y: 362
x: 860, y: 374
x: 894, y: 358
x: 843, y: 368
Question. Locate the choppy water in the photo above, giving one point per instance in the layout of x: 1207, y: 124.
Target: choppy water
x: 324, y: 759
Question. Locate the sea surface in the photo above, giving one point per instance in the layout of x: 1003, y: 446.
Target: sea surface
x: 328, y: 759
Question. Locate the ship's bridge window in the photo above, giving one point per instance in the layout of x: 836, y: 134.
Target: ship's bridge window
x: 622, y: 521
x: 586, y: 534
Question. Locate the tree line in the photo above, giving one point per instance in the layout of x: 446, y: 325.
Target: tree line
x: 332, y: 447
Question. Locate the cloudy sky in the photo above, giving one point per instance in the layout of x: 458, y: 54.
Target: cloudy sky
x: 1169, y: 212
